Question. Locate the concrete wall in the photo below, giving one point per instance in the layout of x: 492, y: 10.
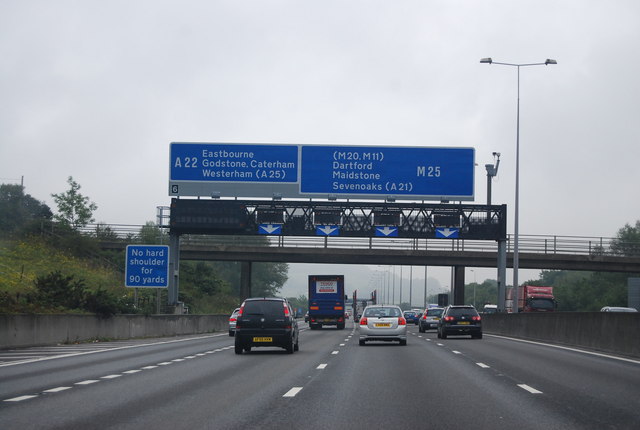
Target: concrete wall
x: 607, y: 332
x: 32, y: 330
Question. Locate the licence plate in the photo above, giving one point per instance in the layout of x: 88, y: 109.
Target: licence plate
x: 382, y: 325
x: 263, y: 339
x: 464, y: 323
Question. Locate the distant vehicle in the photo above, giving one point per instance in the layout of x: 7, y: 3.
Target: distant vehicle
x: 306, y: 317
x: 490, y: 309
x: 232, y: 321
x: 532, y: 298
x: 326, y: 301
x: 265, y: 322
x: 429, y: 319
x: 460, y: 320
x: 617, y: 309
x: 383, y: 323
x: 411, y: 317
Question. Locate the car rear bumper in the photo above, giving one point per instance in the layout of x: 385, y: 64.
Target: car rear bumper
x: 261, y: 338
x: 453, y: 330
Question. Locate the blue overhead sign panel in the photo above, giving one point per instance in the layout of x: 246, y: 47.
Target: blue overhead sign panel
x: 400, y: 172
x: 321, y: 171
x: 233, y: 170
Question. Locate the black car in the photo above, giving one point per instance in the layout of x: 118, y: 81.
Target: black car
x: 266, y: 322
x: 460, y: 320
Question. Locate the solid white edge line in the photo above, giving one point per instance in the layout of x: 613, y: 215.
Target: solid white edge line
x: 567, y: 348
x: 529, y: 389
x: 292, y: 392
x: 14, y: 363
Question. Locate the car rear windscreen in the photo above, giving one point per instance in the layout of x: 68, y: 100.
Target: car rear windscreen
x: 264, y: 307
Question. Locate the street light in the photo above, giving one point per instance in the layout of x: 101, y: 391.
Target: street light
x: 517, y: 203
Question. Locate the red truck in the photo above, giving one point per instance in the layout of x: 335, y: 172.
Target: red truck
x: 532, y: 298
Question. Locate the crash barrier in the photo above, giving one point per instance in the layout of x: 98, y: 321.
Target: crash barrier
x: 35, y: 330
x: 608, y: 332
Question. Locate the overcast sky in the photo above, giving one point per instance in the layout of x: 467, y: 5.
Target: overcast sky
x: 97, y: 90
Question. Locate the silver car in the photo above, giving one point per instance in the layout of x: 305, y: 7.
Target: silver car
x: 383, y: 323
x: 233, y: 321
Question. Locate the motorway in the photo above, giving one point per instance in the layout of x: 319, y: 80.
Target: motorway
x: 198, y: 382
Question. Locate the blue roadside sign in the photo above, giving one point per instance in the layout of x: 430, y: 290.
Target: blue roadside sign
x: 147, y: 266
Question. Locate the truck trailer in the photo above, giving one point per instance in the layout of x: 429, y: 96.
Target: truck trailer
x: 326, y: 301
x: 532, y: 298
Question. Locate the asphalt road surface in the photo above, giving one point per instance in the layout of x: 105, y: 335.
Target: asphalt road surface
x: 198, y: 382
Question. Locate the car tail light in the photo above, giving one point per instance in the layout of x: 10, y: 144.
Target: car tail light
x: 241, y: 310
x: 424, y: 317
x: 402, y: 321
x: 448, y: 318
x: 286, y: 309
x: 232, y: 319
x: 363, y: 321
x: 476, y: 318
x: 340, y: 319
x: 314, y: 308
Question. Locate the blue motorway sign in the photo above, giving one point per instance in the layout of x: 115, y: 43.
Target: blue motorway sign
x: 321, y: 171
x: 273, y: 229
x: 387, y: 231
x: 147, y: 266
x: 447, y: 233
x: 327, y: 230
x: 442, y: 173
x: 226, y: 162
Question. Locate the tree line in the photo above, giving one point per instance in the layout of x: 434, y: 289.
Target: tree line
x: 47, y: 264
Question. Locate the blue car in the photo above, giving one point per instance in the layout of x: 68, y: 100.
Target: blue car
x: 411, y: 317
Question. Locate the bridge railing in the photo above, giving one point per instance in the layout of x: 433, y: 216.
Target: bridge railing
x: 542, y: 244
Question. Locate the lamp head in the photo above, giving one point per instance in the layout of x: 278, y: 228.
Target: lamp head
x: 550, y: 61
x: 488, y: 60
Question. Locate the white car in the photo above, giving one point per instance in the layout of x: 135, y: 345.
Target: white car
x: 233, y: 321
x: 383, y: 323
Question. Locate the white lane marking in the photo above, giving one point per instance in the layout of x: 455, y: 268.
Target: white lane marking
x: 342, y: 344
x: 322, y: 366
x: 568, y: 348
x: 456, y: 352
x: 335, y: 352
x: 439, y: 344
x: 19, y: 399
x: 200, y: 355
x: 56, y: 390
x: 177, y: 360
x: 131, y: 372
x: 529, y: 389
x: 165, y: 363
x: 110, y: 376
x: 87, y: 382
x: 292, y: 392
x: 484, y: 366
x: 149, y: 367
x: 190, y: 357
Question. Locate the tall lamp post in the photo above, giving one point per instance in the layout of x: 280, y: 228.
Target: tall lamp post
x: 517, y: 203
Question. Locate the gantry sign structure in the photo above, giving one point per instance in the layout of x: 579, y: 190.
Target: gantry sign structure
x: 345, y: 191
